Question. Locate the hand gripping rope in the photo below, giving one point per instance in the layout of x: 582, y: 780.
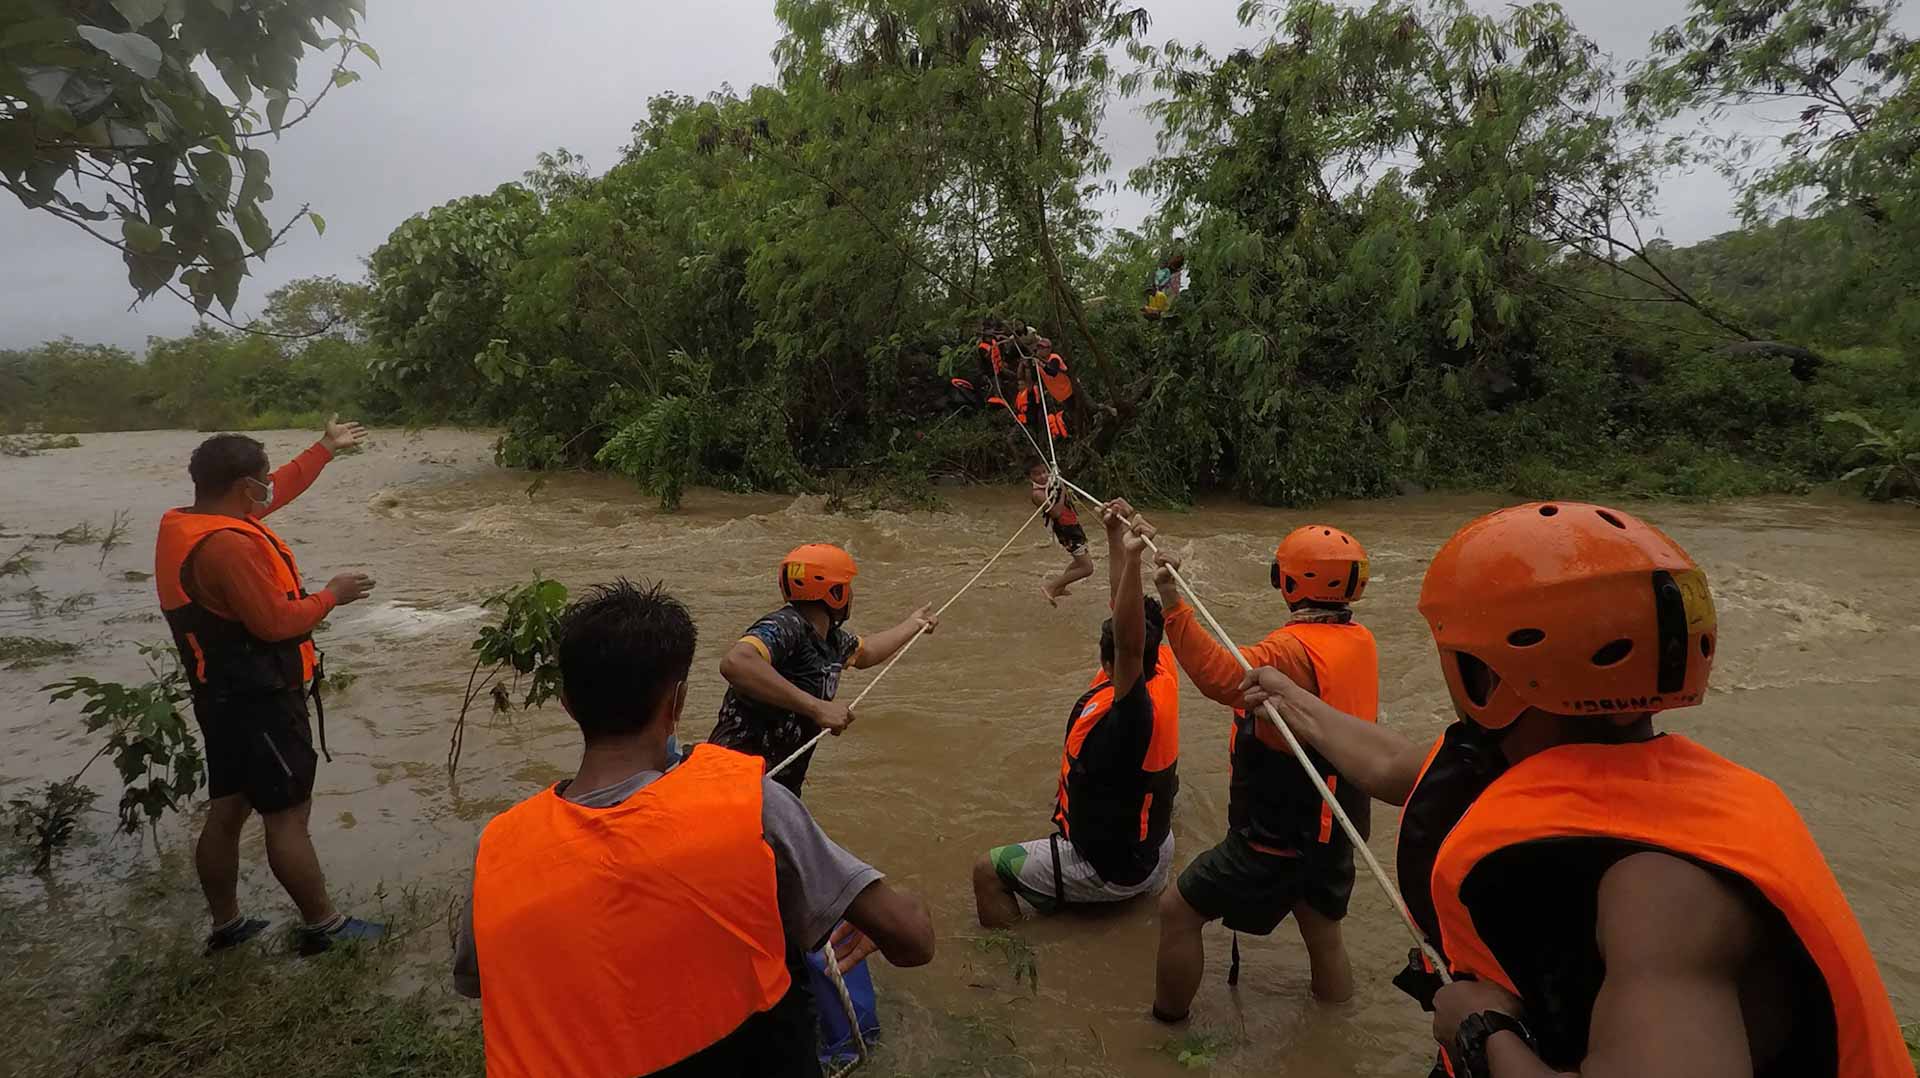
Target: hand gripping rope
x: 1266, y: 710
x: 829, y: 960
x: 1272, y: 716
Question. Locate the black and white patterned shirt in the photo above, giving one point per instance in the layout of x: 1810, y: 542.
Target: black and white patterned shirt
x: 812, y: 664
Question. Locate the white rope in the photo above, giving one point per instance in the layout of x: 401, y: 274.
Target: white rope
x: 908, y: 646
x: 829, y: 961
x: 832, y: 963
x: 1001, y: 392
x: 1300, y: 754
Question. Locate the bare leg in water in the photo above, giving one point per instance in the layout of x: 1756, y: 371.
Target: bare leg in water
x: 992, y: 902
x: 216, y: 857
x: 291, y: 855
x: 1326, y: 954
x: 1183, y: 957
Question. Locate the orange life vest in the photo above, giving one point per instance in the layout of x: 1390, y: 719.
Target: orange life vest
x: 1053, y: 374
x: 219, y: 653
x: 1117, y: 784
x: 1270, y: 801
x: 616, y: 942
x: 990, y: 359
x: 1669, y: 794
x: 1029, y: 398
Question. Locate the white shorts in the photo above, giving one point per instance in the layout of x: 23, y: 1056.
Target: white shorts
x: 1028, y: 871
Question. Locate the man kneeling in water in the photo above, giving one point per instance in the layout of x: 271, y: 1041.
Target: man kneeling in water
x: 1112, y: 815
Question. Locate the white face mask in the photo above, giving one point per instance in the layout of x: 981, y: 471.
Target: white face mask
x: 261, y: 505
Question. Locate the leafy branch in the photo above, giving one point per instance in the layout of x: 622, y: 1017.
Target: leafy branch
x: 519, y: 647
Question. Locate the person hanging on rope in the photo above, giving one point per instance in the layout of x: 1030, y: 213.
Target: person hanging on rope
x: 648, y: 916
x: 1113, y: 810
x: 1610, y: 899
x: 1282, y: 853
x: 784, y: 672
x: 1063, y: 519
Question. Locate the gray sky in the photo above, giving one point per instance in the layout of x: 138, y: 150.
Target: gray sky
x: 472, y: 89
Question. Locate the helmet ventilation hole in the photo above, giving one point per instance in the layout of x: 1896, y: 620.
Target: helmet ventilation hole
x: 1613, y: 653
x: 1309, y: 576
x: 1525, y: 638
x: 1611, y: 519
x: 1706, y: 647
x: 1549, y: 510
x: 1476, y: 678
x: 1292, y: 584
x: 1346, y: 540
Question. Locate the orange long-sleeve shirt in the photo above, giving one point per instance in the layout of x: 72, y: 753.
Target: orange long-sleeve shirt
x: 232, y: 575
x: 1212, y: 668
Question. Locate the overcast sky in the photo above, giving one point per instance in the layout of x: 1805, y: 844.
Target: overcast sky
x: 472, y: 89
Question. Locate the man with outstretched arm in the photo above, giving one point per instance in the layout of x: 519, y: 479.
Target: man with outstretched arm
x: 1112, y: 834
x: 650, y: 915
x: 1614, y: 901
x: 242, y: 621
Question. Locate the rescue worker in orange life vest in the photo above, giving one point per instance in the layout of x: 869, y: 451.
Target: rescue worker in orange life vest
x: 650, y: 915
x: 242, y: 621
x: 1113, y: 808
x: 1625, y: 901
x: 1283, y: 854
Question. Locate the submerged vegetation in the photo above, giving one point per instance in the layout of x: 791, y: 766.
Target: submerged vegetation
x: 1419, y: 241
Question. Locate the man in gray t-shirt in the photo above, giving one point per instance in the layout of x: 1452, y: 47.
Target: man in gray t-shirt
x: 588, y: 965
x: 817, y: 879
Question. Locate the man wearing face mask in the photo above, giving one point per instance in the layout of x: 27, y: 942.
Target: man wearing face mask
x: 243, y: 620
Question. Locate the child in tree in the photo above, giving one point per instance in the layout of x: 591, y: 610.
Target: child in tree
x: 1064, y: 521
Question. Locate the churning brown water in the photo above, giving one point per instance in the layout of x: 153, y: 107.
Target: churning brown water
x: 1817, y: 683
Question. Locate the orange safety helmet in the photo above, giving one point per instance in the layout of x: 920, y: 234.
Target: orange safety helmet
x: 821, y: 572
x: 1570, y: 608
x: 1319, y: 564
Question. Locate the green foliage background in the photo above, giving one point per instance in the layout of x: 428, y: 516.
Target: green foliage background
x: 1414, y: 234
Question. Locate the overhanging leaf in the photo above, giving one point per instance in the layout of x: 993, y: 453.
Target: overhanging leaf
x: 135, y: 52
x: 319, y: 223
x: 253, y: 227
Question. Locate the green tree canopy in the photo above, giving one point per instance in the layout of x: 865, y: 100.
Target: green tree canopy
x: 107, y: 97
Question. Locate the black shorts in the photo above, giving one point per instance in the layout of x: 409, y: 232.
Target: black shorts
x: 1072, y: 537
x: 259, y: 746
x: 1253, y: 892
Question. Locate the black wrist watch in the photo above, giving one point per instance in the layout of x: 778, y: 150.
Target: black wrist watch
x: 1470, y: 1042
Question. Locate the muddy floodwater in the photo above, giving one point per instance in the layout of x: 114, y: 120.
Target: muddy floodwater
x: 1816, y: 685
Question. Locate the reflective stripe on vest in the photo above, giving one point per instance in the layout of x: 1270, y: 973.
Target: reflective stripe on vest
x: 616, y: 942
x: 1671, y: 794
x: 1267, y: 789
x: 1163, y: 746
x: 181, y: 533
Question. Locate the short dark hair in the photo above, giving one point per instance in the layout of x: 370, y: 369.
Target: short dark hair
x: 622, y: 649
x: 222, y: 460
x: 1156, y: 624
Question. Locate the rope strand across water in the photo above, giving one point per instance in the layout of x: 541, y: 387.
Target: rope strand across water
x: 908, y: 646
x: 1300, y: 754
